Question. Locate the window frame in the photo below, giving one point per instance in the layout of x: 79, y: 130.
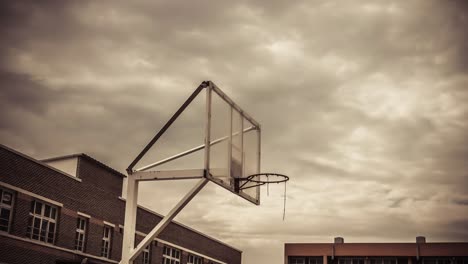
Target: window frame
x: 195, y: 259
x: 41, y: 216
x: 171, y: 255
x: 81, y: 231
x: 106, y: 244
x: 297, y: 260
x: 9, y: 207
x: 351, y: 260
x: 146, y: 255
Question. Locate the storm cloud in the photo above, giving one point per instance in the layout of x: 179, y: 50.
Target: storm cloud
x: 363, y: 103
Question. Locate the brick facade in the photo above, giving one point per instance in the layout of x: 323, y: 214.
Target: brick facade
x: 94, y: 190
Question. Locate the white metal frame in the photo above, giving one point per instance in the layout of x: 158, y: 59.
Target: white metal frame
x: 129, y: 251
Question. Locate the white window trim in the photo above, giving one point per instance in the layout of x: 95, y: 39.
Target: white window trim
x: 107, y: 241
x: 36, y: 242
x: 43, y: 217
x: 40, y: 197
x: 194, y: 259
x: 108, y: 224
x: 146, y: 251
x: 83, y: 215
x: 83, y: 232
x: 170, y: 257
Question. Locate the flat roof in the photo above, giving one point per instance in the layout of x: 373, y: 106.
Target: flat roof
x: 431, y: 249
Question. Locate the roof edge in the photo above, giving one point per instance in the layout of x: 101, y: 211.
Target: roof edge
x: 89, y: 158
x: 38, y: 162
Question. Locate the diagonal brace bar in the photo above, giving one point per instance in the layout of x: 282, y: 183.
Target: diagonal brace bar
x: 166, y: 126
x: 167, y: 219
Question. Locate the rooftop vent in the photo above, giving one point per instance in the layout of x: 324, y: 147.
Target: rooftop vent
x: 420, y: 239
x: 339, y: 240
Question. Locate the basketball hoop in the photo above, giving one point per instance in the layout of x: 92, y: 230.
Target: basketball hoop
x: 260, y: 179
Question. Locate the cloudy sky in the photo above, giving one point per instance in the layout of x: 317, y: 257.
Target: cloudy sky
x: 363, y: 103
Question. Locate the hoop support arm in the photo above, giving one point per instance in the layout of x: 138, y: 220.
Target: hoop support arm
x: 131, y: 256
x: 190, y: 151
x: 167, y: 125
x: 168, y: 175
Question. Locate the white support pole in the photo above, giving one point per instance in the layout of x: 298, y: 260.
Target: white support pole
x: 259, y: 156
x: 130, y: 219
x: 230, y: 144
x: 208, y: 129
x: 166, y: 220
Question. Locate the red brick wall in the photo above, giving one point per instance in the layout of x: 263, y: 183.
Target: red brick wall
x: 97, y: 195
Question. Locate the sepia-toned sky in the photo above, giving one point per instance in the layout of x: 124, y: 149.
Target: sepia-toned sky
x: 364, y: 104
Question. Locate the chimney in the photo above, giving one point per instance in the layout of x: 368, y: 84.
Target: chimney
x: 420, y: 240
x: 339, y: 240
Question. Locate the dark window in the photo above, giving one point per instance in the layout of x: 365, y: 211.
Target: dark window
x: 6, y: 209
x: 171, y: 255
x: 351, y: 261
x: 106, y: 241
x: 147, y: 255
x: 297, y: 260
x: 80, y: 235
x: 193, y: 259
x: 42, y: 222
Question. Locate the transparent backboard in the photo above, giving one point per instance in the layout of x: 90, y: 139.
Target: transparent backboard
x: 234, y: 152
x: 231, y: 148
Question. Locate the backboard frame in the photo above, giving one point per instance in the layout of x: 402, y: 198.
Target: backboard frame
x: 231, y: 186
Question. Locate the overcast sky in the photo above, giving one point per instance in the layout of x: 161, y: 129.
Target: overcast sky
x: 362, y: 103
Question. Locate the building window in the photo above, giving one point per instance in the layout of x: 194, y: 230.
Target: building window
x: 171, y: 256
x: 6, y: 208
x: 383, y: 261
x: 42, y: 222
x: 430, y: 260
x: 147, y: 255
x: 81, y: 225
x: 297, y: 260
x: 460, y: 260
x: 351, y: 261
x: 106, y: 241
x: 192, y: 259
x: 315, y: 260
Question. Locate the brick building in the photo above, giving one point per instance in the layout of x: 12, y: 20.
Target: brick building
x: 376, y: 253
x: 70, y: 210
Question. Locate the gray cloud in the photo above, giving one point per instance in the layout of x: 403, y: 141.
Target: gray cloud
x: 362, y: 103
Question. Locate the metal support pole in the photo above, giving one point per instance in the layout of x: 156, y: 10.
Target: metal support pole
x: 208, y: 129
x: 165, y: 221
x: 130, y: 219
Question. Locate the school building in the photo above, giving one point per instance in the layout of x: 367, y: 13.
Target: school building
x: 69, y: 210
x: 339, y: 252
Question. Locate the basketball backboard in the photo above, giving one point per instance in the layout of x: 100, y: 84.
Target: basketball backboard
x: 231, y: 149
